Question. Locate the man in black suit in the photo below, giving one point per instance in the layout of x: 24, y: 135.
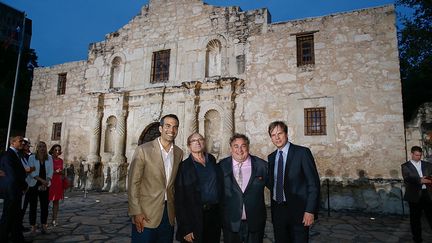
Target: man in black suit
x: 417, y: 176
x: 294, y: 187
x: 245, y: 176
x: 15, y: 174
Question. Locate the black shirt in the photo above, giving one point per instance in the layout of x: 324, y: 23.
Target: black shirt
x: 207, y: 181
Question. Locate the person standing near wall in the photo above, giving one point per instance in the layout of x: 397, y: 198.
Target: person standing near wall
x: 151, y: 185
x: 244, y: 179
x: 56, y: 191
x: 294, y: 187
x: 417, y: 175
x: 198, y: 194
x: 39, y: 185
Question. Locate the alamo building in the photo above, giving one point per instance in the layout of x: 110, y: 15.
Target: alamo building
x: 334, y: 79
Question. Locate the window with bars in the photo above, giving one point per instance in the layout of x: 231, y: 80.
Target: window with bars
x: 315, y: 121
x: 56, y: 131
x: 160, y: 66
x: 305, y: 50
x: 61, y: 84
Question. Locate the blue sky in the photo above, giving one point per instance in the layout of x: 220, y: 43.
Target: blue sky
x: 63, y: 29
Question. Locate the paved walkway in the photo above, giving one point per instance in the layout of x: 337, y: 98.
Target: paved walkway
x: 102, y: 217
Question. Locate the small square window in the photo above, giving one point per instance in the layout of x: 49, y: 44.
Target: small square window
x: 56, y: 131
x: 315, y: 121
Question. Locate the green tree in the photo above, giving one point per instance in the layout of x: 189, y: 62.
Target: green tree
x: 415, y: 54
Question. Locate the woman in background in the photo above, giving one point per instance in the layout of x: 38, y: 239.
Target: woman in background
x: 56, y: 189
x: 39, y: 185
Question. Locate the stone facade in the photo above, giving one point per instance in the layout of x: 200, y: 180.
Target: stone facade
x: 230, y: 71
x: 419, y: 131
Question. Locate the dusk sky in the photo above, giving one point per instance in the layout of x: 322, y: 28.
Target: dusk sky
x: 63, y: 29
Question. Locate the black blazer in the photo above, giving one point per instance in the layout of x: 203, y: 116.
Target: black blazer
x: 13, y: 184
x: 412, y: 180
x: 252, y: 198
x: 301, y: 183
x: 188, y: 204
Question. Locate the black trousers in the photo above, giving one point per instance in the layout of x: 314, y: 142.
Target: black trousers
x: 34, y: 195
x: 244, y: 235
x: 9, y: 222
x: 286, y: 231
x: 211, y: 225
x: 416, y: 209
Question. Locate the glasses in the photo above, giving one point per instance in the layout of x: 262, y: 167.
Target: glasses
x: 196, y: 140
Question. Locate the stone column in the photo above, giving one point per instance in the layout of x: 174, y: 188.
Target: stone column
x: 94, y: 157
x: 191, y: 90
x: 119, y: 157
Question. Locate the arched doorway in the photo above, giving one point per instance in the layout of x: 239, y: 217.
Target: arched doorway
x: 150, y: 133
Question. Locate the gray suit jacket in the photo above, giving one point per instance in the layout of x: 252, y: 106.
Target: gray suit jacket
x: 252, y: 198
x: 412, y: 180
x: 147, y: 183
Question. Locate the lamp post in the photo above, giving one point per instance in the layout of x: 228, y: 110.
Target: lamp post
x: 21, y: 40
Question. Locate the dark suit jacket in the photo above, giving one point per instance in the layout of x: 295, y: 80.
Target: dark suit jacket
x: 301, y: 183
x: 412, y: 180
x: 252, y: 198
x: 13, y: 184
x: 188, y: 204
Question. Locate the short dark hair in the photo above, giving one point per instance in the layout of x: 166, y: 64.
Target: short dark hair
x: 239, y: 135
x: 416, y: 149
x: 162, y: 120
x: 275, y: 124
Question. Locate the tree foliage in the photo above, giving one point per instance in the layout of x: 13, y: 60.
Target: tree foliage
x: 415, y: 54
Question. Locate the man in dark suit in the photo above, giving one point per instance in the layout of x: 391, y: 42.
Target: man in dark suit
x: 15, y: 176
x: 245, y: 176
x: 417, y: 176
x: 198, y: 193
x: 294, y: 187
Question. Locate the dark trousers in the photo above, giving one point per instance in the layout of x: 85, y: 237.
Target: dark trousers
x: 24, y: 209
x: 164, y: 233
x: 9, y: 222
x: 416, y: 209
x: 34, y: 195
x: 286, y: 231
x: 244, y: 235
x: 211, y: 226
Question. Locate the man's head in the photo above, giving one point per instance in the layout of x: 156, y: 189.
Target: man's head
x: 17, y: 142
x: 278, y: 132
x: 27, y: 145
x: 168, y: 127
x: 239, y: 146
x: 416, y: 153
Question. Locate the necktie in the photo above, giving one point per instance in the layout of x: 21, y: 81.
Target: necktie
x: 279, y: 179
x: 240, y: 175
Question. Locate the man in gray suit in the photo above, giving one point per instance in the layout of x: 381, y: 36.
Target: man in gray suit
x: 417, y: 176
x: 244, y: 179
x: 151, y: 185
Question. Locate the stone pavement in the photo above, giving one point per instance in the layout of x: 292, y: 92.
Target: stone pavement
x: 102, y: 217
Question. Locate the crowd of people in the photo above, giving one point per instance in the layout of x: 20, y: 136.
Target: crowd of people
x: 204, y: 196
x: 26, y: 179
x: 207, y: 197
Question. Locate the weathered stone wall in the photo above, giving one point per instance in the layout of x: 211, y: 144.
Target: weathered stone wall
x: 419, y: 131
x: 71, y: 109
x: 355, y: 77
